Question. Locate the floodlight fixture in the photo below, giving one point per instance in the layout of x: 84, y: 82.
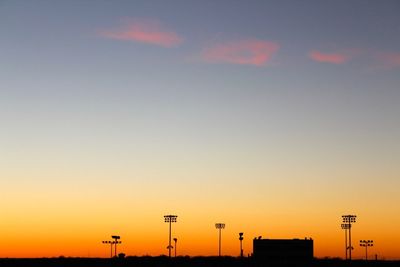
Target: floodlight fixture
x: 366, y: 244
x: 116, y: 238
x: 170, y: 219
x: 113, y: 243
x: 348, y: 220
x: 219, y: 226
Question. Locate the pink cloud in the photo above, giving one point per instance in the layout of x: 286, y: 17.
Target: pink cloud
x: 388, y: 59
x: 247, y: 52
x: 143, y: 31
x: 334, y: 58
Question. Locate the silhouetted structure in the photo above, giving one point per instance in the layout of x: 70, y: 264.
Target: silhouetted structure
x: 114, y: 242
x: 349, y: 219
x: 283, y: 249
x: 164, y: 261
x: 241, y: 247
x: 345, y: 226
x: 116, y: 238
x: 175, y: 240
x: 170, y: 219
x: 366, y: 244
x: 219, y: 226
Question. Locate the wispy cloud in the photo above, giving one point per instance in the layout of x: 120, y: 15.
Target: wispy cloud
x: 388, y: 59
x: 333, y: 58
x: 248, y: 52
x: 143, y: 31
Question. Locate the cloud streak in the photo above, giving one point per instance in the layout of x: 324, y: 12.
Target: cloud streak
x: 388, y: 59
x: 143, y: 31
x: 333, y: 58
x: 245, y: 52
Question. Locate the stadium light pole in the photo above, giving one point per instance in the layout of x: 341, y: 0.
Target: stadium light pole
x: 111, y: 245
x: 113, y: 242
x: 241, y: 247
x: 349, y: 219
x: 366, y: 244
x: 175, y: 240
x: 170, y: 219
x: 116, y: 238
x: 219, y: 226
x: 345, y: 226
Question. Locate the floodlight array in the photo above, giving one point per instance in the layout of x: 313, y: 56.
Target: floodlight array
x: 220, y: 225
x: 170, y: 218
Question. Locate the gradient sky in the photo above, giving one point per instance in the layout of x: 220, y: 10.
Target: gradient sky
x: 275, y: 117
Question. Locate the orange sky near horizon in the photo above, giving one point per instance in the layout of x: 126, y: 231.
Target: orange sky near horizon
x: 201, y: 239
x: 73, y: 222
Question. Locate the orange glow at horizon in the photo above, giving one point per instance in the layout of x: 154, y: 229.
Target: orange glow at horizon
x: 145, y: 233
x: 48, y: 222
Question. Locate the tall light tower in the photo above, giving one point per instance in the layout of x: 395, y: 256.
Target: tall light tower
x: 116, y: 238
x: 170, y: 219
x: 111, y: 245
x: 113, y: 242
x: 175, y: 240
x: 219, y: 226
x: 241, y: 247
x: 349, y: 219
x: 345, y: 226
x: 366, y: 244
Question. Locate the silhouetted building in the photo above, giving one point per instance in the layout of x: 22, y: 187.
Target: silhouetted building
x: 283, y: 249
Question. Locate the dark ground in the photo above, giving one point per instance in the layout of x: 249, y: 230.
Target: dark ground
x: 184, y: 262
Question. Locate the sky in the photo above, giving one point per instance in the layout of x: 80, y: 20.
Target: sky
x: 273, y: 117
